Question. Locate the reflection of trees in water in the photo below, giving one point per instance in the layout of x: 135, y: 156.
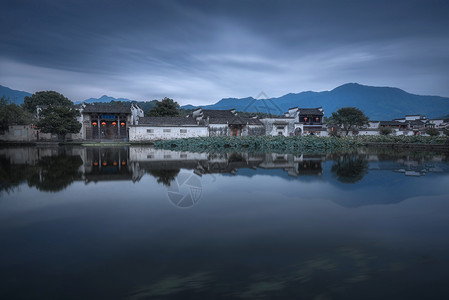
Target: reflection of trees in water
x: 164, y: 176
x: 350, y: 168
x: 55, y: 173
x: 11, y: 175
x: 51, y: 173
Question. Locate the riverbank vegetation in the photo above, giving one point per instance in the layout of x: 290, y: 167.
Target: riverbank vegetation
x: 305, y: 144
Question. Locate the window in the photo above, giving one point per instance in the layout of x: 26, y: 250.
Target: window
x: 167, y: 130
x: 280, y: 127
x: 183, y: 155
x: 167, y: 156
x: 150, y: 156
x: 280, y: 133
x: 183, y: 130
x: 150, y: 130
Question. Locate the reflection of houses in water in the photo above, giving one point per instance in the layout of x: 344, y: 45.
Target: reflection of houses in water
x: 94, y: 164
x: 228, y: 163
x: 294, y: 165
x: 147, y: 159
x: 110, y: 163
x: 409, y: 166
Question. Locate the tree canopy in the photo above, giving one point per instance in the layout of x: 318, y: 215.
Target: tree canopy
x: 349, y: 118
x: 12, y: 114
x: 45, y: 98
x: 60, y: 120
x: 386, y: 130
x: 432, y: 131
x: 166, y: 107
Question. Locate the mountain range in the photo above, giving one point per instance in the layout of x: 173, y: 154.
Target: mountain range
x: 14, y: 96
x: 378, y: 103
x: 103, y: 99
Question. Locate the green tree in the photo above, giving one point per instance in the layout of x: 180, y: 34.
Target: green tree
x: 43, y: 99
x: 59, y: 120
x: 385, y: 130
x: 432, y: 131
x: 348, y: 118
x: 166, y: 107
x: 12, y: 114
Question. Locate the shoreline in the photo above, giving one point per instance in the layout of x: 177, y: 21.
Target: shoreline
x: 265, y: 143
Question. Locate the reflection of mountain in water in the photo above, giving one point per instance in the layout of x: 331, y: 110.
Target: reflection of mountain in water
x: 53, y: 169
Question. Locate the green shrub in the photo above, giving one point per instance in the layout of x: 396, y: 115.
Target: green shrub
x: 385, y: 130
x: 432, y: 131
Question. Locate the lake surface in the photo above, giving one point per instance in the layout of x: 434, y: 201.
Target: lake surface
x: 140, y: 223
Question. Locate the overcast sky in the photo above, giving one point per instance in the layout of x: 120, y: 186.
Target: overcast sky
x: 201, y: 51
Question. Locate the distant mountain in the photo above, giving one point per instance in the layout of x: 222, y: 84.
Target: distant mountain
x: 103, y: 99
x: 379, y: 103
x: 14, y: 96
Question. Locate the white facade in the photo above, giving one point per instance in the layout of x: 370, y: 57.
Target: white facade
x: 374, y: 124
x: 145, y: 154
x: 218, y: 130
x: 138, y: 133
x: 19, y: 133
x: 280, y: 126
x: 415, y: 117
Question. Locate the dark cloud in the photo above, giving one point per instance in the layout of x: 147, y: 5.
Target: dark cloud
x: 200, y: 51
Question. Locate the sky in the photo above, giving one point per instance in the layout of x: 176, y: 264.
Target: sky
x: 198, y: 52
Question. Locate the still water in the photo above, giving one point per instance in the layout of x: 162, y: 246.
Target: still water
x: 140, y: 223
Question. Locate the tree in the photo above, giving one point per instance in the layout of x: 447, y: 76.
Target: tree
x: 60, y: 120
x: 348, y: 118
x: 166, y: 107
x: 43, y: 99
x: 385, y: 130
x: 12, y: 114
x: 432, y: 131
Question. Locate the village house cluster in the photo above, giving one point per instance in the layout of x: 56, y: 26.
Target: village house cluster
x: 202, y: 122
x: 126, y: 122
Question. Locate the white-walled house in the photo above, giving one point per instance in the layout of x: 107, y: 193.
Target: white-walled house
x: 228, y: 123
x: 297, y: 121
x: 281, y: 125
x: 164, y: 128
x: 415, y: 117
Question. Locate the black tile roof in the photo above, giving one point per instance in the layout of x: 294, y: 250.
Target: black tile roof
x: 253, y: 121
x: 416, y: 122
x: 244, y: 121
x: 227, y: 117
x: 279, y: 117
x: 391, y: 123
x: 167, y: 121
x: 107, y: 108
x: 310, y: 111
x: 218, y: 116
x: 217, y: 113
